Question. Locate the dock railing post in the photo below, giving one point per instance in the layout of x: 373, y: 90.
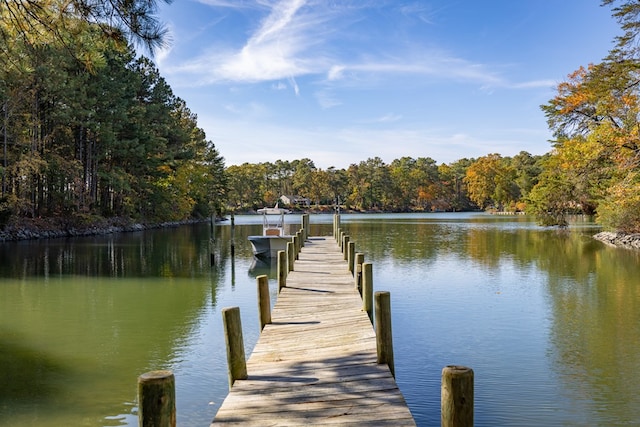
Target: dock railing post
x: 367, y: 289
x: 157, y: 399
x: 305, y: 227
x: 335, y: 226
x: 342, y: 242
x: 384, y: 338
x: 236, y: 360
x: 282, y: 270
x: 456, y: 397
x: 351, y: 253
x: 264, y: 302
x: 290, y: 255
x: 296, y: 245
x: 345, y: 245
x: 357, y: 272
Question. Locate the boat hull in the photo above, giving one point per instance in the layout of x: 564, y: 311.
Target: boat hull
x: 268, y: 246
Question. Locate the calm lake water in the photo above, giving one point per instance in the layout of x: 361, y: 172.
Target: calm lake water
x: 549, y: 320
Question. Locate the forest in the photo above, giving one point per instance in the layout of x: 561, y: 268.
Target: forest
x: 90, y: 129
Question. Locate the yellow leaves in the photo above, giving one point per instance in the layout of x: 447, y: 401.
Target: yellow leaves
x: 166, y: 169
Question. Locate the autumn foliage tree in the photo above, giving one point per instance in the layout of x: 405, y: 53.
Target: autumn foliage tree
x: 595, y: 120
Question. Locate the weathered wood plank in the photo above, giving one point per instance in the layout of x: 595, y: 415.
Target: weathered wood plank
x: 315, y: 363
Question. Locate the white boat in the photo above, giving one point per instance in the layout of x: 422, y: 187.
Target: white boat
x: 274, y: 237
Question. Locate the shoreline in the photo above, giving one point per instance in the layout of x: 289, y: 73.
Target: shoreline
x: 619, y: 239
x: 53, y: 228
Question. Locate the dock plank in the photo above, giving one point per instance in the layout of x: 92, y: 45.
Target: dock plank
x: 316, y: 363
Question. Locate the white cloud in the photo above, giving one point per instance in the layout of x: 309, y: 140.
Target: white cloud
x: 300, y: 38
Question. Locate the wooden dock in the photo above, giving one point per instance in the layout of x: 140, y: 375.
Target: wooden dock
x: 316, y: 363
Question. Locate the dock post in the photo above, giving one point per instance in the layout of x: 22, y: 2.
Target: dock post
x: 335, y: 226
x: 351, y: 253
x: 233, y: 235
x: 305, y: 227
x: 157, y: 399
x: 384, y: 338
x: 236, y: 360
x: 212, y: 240
x: 341, y: 242
x: 296, y: 245
x: 357, y: 272
x: 367, y: 289
x: 264, y: 303
x: 282, y: 270
x: 291, y: 255
x: 456, y: 397
x: 345, y: 245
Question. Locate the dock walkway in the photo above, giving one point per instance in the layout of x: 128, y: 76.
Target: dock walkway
x: 316, y: 363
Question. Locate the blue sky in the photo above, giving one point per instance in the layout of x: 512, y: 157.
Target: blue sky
x: 341, y: 81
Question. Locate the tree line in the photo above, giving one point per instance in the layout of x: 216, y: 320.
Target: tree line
x: 90, y: 128
x: 406, y: 184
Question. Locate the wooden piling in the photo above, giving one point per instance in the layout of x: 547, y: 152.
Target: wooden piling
x: 456, y: 397
x: 367, y: 289
x: 236, y: 361
x: 296, y: 245
x: 344, y: 245
x: 384, y: 338
x: 282, y: 270
x: 233, y: 235
x: 305, y: 227
x: 157, y: 399
x: 351, y: 253
x: 335, y: 226
x: 357, y: 272
x: 212, y: 240
x: 264, y: 302
x: 290, y: 255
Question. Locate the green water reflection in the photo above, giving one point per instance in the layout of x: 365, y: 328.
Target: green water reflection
x: 548, y: 319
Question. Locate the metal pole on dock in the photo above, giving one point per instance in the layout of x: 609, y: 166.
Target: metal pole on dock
x: 456, y: 397
x: 157, y: 399
x: 384, y: 338
x: 367, y: 289
x: 236, y: 361
x: 264, y: 303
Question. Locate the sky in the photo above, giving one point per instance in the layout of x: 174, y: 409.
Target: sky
x: 343, y: 81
